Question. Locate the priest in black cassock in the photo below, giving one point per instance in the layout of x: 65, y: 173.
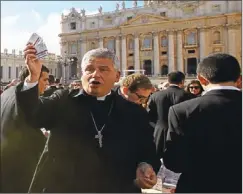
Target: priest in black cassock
x: 100, y: 141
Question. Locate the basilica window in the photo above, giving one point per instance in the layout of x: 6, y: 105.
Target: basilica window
x: 216, y: 8
x: 17, y: 72
x: 1, y: 71
x: 73, y: 25
x: 147, y: 42
x: 73, y: 49
x: 164, y: 41
x: 9, y: 72
x: 93, y: 45
x: 163, y: 14
x: 131, y: 44
x: 111, y: 44
x: 164, y: 70
x: 191, y: 38
x: 92, y: 24
x: 216, y: 37
x: 129, y: 18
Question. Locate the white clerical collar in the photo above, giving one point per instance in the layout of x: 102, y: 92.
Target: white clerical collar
x: 102, y: 98
x: 221, y: 88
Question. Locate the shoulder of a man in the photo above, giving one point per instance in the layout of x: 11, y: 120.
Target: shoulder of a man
x: 186, y: 107
x: 8, y: 97
x: 131, y: 107
x: 158, y: 95
x: 62, y: 93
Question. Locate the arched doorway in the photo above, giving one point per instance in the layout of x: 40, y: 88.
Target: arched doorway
x: 192, y: 66
x: 73, y: 67
x: 147, y: 66
x: 130, y: 68
x: 164, y: 70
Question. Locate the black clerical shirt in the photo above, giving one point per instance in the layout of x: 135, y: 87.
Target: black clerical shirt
x: 76, y: 163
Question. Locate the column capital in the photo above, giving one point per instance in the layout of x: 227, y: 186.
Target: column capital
x: 171, y: 31
x: 203, y: 28
x: 232, y: 26
x: 136, y: 34
x: 118, y: 36
x: 180, y: 30
x: 63, y: 43
x: 155, y: 33
x: 123, y: 36
x: 83, y: 40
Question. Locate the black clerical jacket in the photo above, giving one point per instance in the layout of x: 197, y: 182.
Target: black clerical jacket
x: 75, y: 162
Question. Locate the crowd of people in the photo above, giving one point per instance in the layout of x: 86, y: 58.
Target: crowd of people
x: 104, y: 137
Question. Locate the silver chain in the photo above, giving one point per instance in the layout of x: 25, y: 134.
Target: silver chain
x: 99, y: 135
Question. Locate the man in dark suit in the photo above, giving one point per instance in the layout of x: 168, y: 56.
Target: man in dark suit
x: 204, y: 140
x: 159, y: 104
x: 100, y: 141
x: 52, y: 87
x: 21, y: 144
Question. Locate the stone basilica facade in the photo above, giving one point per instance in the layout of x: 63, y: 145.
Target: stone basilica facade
x: 13, y: 62
x: 159, y: 37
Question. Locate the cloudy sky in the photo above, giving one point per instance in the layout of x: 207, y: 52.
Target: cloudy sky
x: 19, y: 19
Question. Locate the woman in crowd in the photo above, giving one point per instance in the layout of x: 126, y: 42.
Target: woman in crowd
x: 194, y: 87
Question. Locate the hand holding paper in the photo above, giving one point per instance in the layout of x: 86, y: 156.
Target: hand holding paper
x: 40, y: 46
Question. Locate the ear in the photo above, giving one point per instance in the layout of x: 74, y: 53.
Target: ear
x: 125, y: 90
x: 118, y: 75
x: 239, y: 82
x: 203, y: 81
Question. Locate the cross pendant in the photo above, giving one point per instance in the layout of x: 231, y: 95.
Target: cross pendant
x: 99, y: 137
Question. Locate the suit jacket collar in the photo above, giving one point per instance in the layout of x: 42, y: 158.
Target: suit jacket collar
x: 222, y: 92
x: 221, y: 88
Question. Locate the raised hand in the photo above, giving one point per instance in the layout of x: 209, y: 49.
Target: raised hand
x: 145, y: 176
x: 34, y: 65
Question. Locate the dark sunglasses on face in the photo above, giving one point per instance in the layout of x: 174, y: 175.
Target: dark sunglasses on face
x: 194, y: 87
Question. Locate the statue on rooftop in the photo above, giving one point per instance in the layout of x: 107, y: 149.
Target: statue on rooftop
x: 123, y: 5
x: 100, y: 9
x: 135, y: 3
x: 117, y: 6
x: 83, y: 12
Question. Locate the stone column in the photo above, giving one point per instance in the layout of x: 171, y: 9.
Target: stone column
x: 231, y: 6
x: 225, y: 39
x: 136, y: 52
x: 202, y: 43
x: 124, y: 54
x: 83, y: 24
x: 232, y: 40
x: 156, y: 54
x: 179, y: 51
x: 83, y: 47
x: 101, y: 44
x: 78, y: 57
x: 118, y: 49
x: 171, y: 54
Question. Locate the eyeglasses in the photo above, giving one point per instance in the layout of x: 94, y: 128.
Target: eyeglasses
x: 194, y: 87
x: 140, y: 97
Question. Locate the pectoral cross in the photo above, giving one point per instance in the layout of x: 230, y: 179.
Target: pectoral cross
x: 99, y: 136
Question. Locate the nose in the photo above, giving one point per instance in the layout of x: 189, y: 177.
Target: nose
x: 96, y: 73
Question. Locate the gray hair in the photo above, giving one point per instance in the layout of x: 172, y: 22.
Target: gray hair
x: 101, y: 53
